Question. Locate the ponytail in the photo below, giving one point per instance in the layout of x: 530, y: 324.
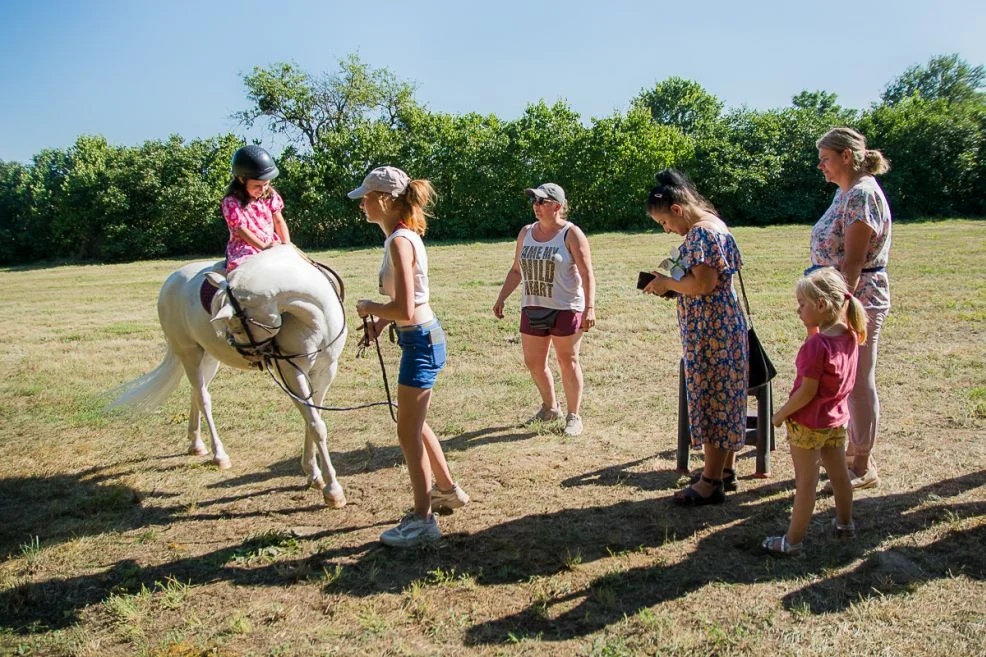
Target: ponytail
x: 415, y: 205
x: 856, y: 318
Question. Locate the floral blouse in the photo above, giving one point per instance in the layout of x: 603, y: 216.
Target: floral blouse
x: 257, y: 217
x: 863, y: 202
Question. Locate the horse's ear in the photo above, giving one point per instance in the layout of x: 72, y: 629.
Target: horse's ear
x: 218, y: 280
x: 226, y: 312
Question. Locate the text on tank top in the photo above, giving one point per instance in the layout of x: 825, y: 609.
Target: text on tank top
x: 549, y: 276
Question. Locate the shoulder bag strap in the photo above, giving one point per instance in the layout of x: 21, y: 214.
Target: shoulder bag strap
x: 746, y: 303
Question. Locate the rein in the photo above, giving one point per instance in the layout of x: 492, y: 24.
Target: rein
x: 264, y: 352
x: 277, y: 356
x: 256, y: 348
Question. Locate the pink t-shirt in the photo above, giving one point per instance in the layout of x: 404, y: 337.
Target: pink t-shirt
x: 832, y: 362
x: 257, y: 217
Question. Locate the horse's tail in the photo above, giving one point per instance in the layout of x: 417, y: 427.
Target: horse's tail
x: 149, y: 391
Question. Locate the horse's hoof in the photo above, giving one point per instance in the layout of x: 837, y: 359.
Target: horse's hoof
x: 334, y: 497
x: 223, y: 462
x: 198, y: 450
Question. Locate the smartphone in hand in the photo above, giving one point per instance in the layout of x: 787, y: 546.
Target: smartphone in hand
x: 645, y: 277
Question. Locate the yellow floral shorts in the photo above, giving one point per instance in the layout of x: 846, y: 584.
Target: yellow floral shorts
x: 807, y: 438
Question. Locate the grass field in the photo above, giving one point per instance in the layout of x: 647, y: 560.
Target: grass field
x: 113, y: 542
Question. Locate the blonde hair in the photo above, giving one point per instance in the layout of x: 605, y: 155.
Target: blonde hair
x: 864, y: 159
x: 828, y: 285
x: 414, y: 205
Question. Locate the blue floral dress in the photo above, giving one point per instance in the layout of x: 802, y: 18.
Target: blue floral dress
x: 713, y: 338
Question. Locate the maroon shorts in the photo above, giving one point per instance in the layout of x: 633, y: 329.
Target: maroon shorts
x: 567, y: 322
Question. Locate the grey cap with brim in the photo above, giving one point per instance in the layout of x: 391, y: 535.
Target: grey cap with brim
x: 547, y: 190
x: 389, y: 180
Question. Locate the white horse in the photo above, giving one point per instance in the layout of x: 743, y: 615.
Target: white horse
x: 284, y: 300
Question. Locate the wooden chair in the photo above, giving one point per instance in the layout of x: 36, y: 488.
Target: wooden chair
x: 759, y: 430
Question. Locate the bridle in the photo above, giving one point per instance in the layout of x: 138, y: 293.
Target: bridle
x: 266, y: 351
x: 253, y: 350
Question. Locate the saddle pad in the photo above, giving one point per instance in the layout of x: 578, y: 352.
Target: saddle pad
x: 206, y: 294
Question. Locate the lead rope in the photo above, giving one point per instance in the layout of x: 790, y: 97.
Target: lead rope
x: 277, y: 357
x: 364, y: 343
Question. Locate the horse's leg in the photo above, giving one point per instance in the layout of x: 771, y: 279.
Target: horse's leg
x: 332, y: 494
x: 315, y: 434
x: 200, y: 368
x: 196, y: 447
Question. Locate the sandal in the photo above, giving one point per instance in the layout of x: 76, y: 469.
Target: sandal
x: 691, y: 497
x: 778, y: 545
x: 843, y: 531
x: 728, y: 480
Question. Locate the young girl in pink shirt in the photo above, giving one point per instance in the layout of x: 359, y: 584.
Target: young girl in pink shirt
x: 817, y: 411
x: 252, y: 208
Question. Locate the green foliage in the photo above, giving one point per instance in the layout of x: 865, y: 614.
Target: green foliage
x: 936, y: 150
x: 945, y: 77
x: 97, y: 201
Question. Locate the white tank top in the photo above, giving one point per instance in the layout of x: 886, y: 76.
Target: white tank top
x: 420, y: 266
x: 549, y: 277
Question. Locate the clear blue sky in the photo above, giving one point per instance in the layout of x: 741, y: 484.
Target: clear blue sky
x: 135, y: 70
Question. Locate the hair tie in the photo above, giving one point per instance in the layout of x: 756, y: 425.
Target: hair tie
x: 848, y: 296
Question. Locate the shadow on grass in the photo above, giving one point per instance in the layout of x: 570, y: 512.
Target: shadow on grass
x: 56, y: 603
x: 371, y: 458
x: 733, y: 556
x: 65, y: 506
x: 626, y: 474
x: 542, y: 545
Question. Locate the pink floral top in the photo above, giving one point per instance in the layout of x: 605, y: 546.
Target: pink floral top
x: 863, y: 202
x: 256, y: 216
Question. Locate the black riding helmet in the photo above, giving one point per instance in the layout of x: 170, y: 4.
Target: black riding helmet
x: 255, y: 163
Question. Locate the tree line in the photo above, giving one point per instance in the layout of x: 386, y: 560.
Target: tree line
x: 97, y: 201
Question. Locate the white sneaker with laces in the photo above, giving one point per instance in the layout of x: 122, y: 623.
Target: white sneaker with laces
x: 448, y: 499
x: 573, y: 425
x: 413, y: 530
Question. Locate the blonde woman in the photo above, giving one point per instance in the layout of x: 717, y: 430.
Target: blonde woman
x: 854, y: 237
x: 399, y: 205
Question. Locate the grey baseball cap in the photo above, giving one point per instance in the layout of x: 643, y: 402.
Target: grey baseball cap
x: 390, y: 180
x: 547, y: 190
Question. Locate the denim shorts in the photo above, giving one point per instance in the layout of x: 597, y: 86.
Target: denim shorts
x: 423, y: 354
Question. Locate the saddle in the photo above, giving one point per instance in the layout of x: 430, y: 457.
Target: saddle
x: 208, y: 291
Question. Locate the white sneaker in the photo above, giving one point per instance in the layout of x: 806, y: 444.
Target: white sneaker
x: 412, y: 531
x: 544, y: 415
x: 573, y: 425
x: 446, y: 500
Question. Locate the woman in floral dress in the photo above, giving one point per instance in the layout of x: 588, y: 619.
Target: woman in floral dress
x: 713, y: 331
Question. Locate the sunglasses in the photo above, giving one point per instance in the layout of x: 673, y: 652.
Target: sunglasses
x: 536, y: 200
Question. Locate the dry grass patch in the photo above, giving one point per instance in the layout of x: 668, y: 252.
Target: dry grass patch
x: 114, y: 542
